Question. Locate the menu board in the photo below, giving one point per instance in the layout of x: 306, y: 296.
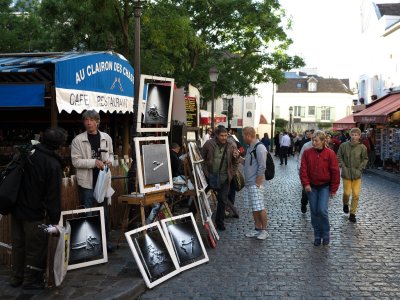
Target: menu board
x: 191, y: 111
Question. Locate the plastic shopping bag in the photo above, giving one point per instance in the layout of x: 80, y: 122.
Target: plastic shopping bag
x: 103, y: 183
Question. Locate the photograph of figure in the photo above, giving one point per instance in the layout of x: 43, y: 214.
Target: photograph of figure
x: 157, y: 104
x: 156, y: 163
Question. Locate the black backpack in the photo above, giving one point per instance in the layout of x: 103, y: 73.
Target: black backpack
x: 10, y: 181
x: 270, y: 166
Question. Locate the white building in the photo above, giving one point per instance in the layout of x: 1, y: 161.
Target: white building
x: 381, y: 52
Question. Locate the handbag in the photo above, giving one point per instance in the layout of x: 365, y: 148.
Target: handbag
x: 214, y: 181
x: 238, y: 181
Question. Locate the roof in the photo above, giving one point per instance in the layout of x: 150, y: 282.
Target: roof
x: 379, y: 110
x: 391, y: 9
x: 324, y: 85
x: 344, y: 123
x: 102, y: 80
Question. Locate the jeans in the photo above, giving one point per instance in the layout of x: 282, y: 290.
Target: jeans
x: 88, y: 201
x: 319, y: 199
x: 351, y: 187
x: 222, y: 198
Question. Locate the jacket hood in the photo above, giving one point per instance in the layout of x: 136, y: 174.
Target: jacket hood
x: 42, y: 148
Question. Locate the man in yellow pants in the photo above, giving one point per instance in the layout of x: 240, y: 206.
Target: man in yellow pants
x: 353, y: 158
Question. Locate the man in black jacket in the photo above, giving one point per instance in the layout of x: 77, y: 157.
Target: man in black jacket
x: 38, y: 203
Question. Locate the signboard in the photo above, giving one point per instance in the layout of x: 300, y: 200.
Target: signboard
x: 99, y: 81
x: 191, y: 111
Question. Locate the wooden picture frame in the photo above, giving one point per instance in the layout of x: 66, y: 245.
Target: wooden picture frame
x: 155, y: 104
x: 88, y: 244
x: 154, y: 165
x: 185, y: 239
x: 153, y: 255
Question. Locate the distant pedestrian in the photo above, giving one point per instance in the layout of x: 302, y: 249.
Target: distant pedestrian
x: 276, y: 142
x: 353, y: 158
x: 254, y: 195
x: 38, y: 203
x: 266, y: 141
x: 206, y: 136
x: 304, y: 198
x: 284, y: 149
x: 176, y: 162
x: 320, y: 176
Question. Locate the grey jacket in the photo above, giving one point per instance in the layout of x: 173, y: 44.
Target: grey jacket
x: 81, y: 156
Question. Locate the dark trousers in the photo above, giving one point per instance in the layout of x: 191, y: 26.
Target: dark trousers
x: 29, y: 249
x: 222, y: 198
x: 283, y: 152
x: 232, y: 193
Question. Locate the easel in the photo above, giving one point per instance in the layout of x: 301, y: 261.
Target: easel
x: 142, y: 200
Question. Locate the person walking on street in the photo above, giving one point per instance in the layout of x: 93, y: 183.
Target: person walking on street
x: 284, y: 148
x: 254, y: 170
x: 266, y: 141
x: 353, y: 158
x: 320, y: 176
x: 276, y: 143
x: 220, y: 165
x: 38, y: 203
x: 91, y: 151
x: 304, y: 198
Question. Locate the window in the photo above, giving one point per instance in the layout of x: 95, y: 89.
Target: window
x: 225, y: 104
x: 325, y: 113
x: 299, y: 85
x: 312, y: 86
x: 299, y: 111
x: 311, y: 110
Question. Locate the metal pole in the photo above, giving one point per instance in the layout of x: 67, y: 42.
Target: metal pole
x: 271, y: 138
x: 212, y: 106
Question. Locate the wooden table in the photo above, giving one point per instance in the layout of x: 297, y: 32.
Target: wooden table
x: 142, y: 200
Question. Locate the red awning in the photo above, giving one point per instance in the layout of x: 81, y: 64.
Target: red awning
x: 344, y: 123
x: 379, y: 110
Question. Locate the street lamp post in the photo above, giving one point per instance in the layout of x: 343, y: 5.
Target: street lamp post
x: 230, y: 112
x: 213, y: 73
x: 290, y: 118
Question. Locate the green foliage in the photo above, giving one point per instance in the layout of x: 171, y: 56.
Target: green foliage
x: 181, y: 39
x: 324, y: 125
x: 281, y: 125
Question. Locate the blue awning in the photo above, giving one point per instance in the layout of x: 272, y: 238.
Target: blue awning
x: 102, y: 81
x: 22, y: 95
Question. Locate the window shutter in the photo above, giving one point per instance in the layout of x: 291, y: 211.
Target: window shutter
x: 318, y: 114
x: 303, y: 112
x: 333, y: 114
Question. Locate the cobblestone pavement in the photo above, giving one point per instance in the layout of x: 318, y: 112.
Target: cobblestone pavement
x: 363, y: 260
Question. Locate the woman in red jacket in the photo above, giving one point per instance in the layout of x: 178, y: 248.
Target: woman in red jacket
x: 320, y: 176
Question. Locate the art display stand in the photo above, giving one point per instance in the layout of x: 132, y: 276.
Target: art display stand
x: 203, y: 198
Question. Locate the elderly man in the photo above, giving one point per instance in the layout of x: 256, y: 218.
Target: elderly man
x: 90, y: 152
x: 220, y: 161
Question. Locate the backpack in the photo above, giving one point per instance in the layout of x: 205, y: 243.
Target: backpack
x: 270, y: 166
x: 10, y: 181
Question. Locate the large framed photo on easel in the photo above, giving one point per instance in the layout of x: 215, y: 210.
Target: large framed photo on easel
x: 153, y: 164
x: 155, y: 104
x: 88, y: 245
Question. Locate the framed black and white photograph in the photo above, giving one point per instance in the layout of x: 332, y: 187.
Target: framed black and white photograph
x: 154, y: 256
x: 88, y: 245
x: 155, y: 106
x: 153, y: 164
x: 184, y: 237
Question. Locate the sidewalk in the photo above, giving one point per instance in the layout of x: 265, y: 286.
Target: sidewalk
x: 120, y: 278
x: 393, y: 177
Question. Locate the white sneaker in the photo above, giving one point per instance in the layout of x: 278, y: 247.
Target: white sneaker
x: 263, y: 234
x: 252, y: 234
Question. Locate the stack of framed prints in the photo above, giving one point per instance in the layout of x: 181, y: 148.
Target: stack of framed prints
x: 88, y: 245
x: 153, y: 164
x: 202, y: 197
x: 163, y: 250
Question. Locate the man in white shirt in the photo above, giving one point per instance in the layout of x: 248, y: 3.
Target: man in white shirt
x: 284, y: 149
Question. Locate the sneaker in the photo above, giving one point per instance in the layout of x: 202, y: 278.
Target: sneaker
x: 352, y: 218
x: 303, y: 208
x: 263, y: 234
x: 252, y: 234
x: 346, y: 209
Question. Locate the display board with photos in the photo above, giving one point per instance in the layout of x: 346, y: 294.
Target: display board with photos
x: 162, y: 250
x: 153, y: 164
x: 203, y: 199
x: 88, y: 244
x: 155, y: 104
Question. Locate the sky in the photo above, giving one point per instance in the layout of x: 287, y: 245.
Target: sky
x: 326, y: 33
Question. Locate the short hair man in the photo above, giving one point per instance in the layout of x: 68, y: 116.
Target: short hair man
x: 353, y: 158
x: 38, y: 203
x: 254, y: 170
x: 284, y: 149
x: 176, y: 163
x: 90, y: 152
x: 216, y: 162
